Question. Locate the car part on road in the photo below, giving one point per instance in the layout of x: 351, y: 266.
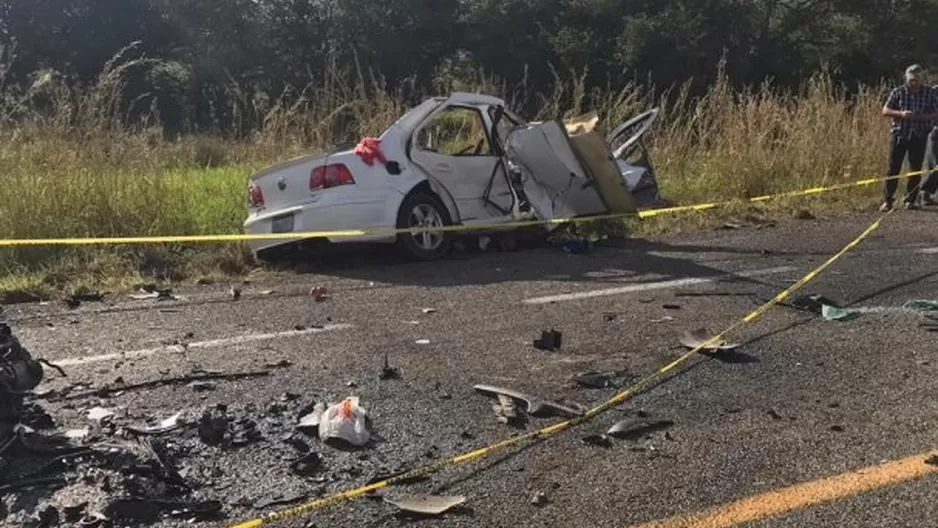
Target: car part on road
x: 169, y: 424
x: 19, y: 374
x: 636, y: 428
x: 535, y: 406
x: 699, y: 337
x: 506, y: 411
x: 427, y: 504
x: 832, y: 313
x: 550, y: 340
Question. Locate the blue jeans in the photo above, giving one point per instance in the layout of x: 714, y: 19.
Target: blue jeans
x: 931, y: 164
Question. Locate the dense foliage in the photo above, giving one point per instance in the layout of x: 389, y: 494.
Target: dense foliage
x: 204, y: 54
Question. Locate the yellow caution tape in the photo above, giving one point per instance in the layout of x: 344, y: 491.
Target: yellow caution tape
x: 349, y: 233
x: 554, y: 429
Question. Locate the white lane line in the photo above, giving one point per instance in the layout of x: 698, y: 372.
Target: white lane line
x: 213, y: 343
x: 929, y: 251
x: 653, y: 286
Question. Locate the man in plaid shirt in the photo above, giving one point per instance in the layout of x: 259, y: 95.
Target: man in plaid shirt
x: 913, y: 108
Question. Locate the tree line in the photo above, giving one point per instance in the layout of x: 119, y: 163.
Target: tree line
x: 198, y: 55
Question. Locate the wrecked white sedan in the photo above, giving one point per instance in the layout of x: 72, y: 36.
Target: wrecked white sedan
x: 458, y: 160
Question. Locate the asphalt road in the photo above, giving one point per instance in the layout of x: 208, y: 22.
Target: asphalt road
x: 800, y: 400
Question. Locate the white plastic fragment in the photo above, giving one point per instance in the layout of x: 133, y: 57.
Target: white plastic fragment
x: 345, y: 421
x: 99, y: 413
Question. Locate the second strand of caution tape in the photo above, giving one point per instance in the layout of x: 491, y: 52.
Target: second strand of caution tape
x: 381, y: 232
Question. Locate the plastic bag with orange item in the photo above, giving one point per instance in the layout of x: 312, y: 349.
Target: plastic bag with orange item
x: 345, y: 421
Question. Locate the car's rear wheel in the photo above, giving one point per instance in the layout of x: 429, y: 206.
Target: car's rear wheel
x: 423, y: 210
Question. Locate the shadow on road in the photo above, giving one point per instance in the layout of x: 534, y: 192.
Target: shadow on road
x: 534, y: 260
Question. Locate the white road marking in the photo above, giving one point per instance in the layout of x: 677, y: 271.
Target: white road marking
x: 652, y: 286
x: 213, y: 343
x: 929, y: 251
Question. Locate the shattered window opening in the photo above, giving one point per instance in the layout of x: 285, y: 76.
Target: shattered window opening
x: 456, y: 131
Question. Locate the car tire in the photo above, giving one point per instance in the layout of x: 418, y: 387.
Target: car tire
x: 423, y: 209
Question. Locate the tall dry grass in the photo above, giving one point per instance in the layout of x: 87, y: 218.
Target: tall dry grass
x: 72, y: 166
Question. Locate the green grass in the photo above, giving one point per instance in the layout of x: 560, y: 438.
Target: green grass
x: 85, y: 176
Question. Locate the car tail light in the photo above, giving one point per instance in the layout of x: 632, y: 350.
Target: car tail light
x: 330, y: 176
x: 255, y: 196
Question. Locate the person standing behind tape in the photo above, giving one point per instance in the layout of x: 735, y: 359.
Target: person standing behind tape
x: 913, y: 107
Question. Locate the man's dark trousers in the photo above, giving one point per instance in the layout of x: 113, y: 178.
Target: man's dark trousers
x: 914, y: 145
x: 931, y: 168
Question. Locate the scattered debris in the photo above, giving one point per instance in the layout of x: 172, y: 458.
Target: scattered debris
x: 422, y: 342
x: 833, y: 313
x: 714, y: 294
x: 170, y: 424
x: 345, y: 421
x: 599, y: 440
x: 813, y: 303
x: 388, y: 372
x: 610, y: 316
x: 539, y: 499
x: 635, y: 429
x: 505, y: 410
x: 550, y: 340
x: 151, y: 509
x: 429, y: 310
x: 664, y: 319
x: 235, y: 293
x: 837, y: 428
x: 318, y: 293
x: 19, y: 373
x: 98, y: 414
x: 932, y: 460
x: 671, y: 306
x: 190, y: 379
x: 427, y: 504
x: 594, y: 380
x: 307, y: 464
x: 535, y: 406
x: 312, y: 419
x: 700, y: 337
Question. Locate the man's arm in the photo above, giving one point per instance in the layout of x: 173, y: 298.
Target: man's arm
x: 891, y: 108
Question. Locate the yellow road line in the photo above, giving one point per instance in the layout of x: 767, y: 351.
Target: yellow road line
x: 799, y: 496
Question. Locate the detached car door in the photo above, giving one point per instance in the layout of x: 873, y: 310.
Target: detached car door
x: 454, y: 147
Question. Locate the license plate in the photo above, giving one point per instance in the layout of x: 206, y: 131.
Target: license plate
x: 282, y: 224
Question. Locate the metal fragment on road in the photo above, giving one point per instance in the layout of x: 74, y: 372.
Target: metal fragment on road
x: 699, y: 337
x: 169, y: 424
x: 634, y: 429
x: 535, y: 406
x: 99, y: 413
x: 427, y: 504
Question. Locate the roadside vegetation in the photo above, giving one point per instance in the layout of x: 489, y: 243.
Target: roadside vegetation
x: 73, y: 166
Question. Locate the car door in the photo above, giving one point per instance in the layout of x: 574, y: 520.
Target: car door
x: 453, y: 145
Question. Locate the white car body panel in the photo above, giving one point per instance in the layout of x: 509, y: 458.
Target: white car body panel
x: 553, y: 180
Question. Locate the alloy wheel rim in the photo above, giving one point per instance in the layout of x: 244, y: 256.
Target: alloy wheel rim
x: 426, y: 216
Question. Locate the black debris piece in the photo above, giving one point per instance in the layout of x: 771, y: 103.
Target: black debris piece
x: 932, y: 460
x: 307, y: 465
x: 388, y: 372
x: 152, y: 509
x: 598, y: 440
x: 550, y: 340
x: 813, y: 303
x: 74, y: 514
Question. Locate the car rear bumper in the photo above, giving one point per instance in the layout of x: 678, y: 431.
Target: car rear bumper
x: 314, y: 221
